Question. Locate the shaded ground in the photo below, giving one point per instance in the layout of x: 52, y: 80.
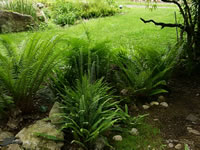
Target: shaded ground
x: 183, y: 100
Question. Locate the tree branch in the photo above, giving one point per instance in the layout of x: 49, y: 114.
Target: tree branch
x: 177, y: 3
x: 163, y: 25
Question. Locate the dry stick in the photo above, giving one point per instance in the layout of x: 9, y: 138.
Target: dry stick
x: 163, y: 25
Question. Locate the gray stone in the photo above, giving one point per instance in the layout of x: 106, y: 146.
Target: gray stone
x: 190, y: 130
x: 170, y: 145
x: 53, y: 114
x: 164, y: 104
x: 117, y: 138
x: 12, y: 147
x: 192, y: 118
x: 14, y: 22
x: 154, y: 103
x: 145, y: 107
x: 134, y: 131
x: 178, y: 146
x: 30, y: 141
x: 5, y: 134
x: 13, y: 123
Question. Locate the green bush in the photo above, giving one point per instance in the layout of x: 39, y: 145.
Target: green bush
x: 24, y: 68
x: 65, y: 13
x: 69, y: 12
x: 83, y: 57
x: 88, y: 111
x: 21, y: 6
x: 144, y: 73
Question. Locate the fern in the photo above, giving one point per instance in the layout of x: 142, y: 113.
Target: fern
x: 89, y: 110
x: 24, y: 69
x: 144, y: 72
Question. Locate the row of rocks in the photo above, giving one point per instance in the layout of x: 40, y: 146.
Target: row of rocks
x: 154, y: 103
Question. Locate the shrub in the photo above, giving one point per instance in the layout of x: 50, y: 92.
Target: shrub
x: 69, y: 12
x: 21, y: 6
x: 24, y: 69
x: 65, y: 13
x: 144, y: 73
x: 89, y: 111
x: 83, y: 57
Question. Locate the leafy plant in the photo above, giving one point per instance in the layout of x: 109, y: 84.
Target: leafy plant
x: 83, y: 57
x: 24, y: 68
x: 5, y: 102
x: 89, y: 111
x: 65, y: 12
x: 21, y: 6
x: 144, y: 73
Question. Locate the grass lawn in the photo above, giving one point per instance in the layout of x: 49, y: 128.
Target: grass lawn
x: 124, y: 29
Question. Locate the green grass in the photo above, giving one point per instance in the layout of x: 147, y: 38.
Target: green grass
x: 148, y: 138
x: 124, y: 29
x: 129, y: 2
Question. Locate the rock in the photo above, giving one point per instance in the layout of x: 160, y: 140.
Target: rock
x: 31, y: 141
x: 190, y: 130
x: 170, y: 145
x: 178, y: 146
x: 164, y: 104
x: 145, y: 107
x: 192, y: 118
x: 5, y: 134
x: 197, y: 95
x: 14, y: 22
x: 124, y: 92
x: 100, y: 144
x: 169, y: 141
x: 117, y: 138
x: 13, y: 123
x: 12, y: 147
x: 161, y: 98
x: 154, y: 103
x: 53, y: 114
x: 134, y: 131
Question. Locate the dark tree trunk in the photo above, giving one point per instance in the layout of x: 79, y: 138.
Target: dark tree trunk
x: 197, y: 37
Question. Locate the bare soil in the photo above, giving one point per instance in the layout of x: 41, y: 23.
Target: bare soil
x: 183, y: 99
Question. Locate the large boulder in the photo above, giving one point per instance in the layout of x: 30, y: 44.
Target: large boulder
x: 14, y: 22
x: 31, y: 141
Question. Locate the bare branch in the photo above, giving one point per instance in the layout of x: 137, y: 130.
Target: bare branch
x: 163, y: 25
x: 177, y: 3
